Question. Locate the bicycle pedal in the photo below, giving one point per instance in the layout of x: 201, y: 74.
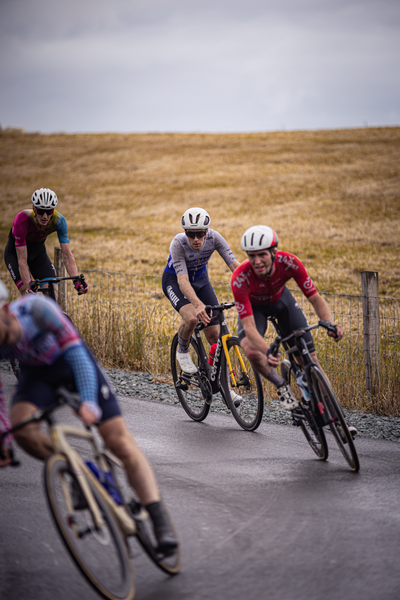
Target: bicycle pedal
x: 181, y: 385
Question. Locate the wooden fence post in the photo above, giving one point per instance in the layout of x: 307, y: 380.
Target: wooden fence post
x: 371, y: 326
x: 60, y: 270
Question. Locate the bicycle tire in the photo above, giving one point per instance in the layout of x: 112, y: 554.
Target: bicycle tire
x: 101, y: 556
x: 194, y: 391
x: 144, y: 532
x: 304, y: 417
x: 337, y: 422
x: 249, y: 386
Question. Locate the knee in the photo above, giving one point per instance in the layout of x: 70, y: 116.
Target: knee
x: 191, y: 321
x: 27, y: 440
x: 254, y: 356
x: 124, y: 448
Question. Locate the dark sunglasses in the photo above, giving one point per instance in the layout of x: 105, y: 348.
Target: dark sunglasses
x: 45, y: 211
x: 194, y: 234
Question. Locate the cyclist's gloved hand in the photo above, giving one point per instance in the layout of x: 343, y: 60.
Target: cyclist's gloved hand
x: 338, y: 335
x: 90, y: 412
x: 81, y: 288
x: 273, y: 360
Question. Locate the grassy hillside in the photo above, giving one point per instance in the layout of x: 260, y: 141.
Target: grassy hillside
x: 332, y: 196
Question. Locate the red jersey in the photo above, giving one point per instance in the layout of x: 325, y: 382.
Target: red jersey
x: 250, y: 289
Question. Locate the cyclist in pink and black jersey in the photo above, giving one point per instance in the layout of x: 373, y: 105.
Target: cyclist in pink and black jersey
x: 25, y: 251
x: 259, y: 290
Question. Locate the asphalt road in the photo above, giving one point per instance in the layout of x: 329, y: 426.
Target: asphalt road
x: 258, y: 516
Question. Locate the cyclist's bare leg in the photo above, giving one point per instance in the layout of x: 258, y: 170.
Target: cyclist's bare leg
x: 30, y: 438
x: 212, y: 334
x: 140, y: 474
x: 189, y: 322
x: 257, y: 359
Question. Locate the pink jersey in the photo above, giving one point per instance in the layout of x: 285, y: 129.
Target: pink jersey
x: 25, y: 228
x: 250, y: 289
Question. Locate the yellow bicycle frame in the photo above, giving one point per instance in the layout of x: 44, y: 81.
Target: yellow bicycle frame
x: 228, y: 360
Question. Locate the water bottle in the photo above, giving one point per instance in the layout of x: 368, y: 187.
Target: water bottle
x: 106, y: 479
x: 302, y: 383
x: 212, y: 354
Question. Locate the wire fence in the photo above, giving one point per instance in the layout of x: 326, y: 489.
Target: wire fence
x: 129, y: 324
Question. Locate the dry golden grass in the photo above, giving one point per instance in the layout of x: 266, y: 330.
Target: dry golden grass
x: 332, y: 196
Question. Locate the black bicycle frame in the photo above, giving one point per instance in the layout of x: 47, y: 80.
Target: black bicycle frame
x: 214, y: 370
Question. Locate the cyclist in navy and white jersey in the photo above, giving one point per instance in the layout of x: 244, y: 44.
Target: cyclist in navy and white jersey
x: 26, y: 251
x: 51, y: 353
x: 185, y: 279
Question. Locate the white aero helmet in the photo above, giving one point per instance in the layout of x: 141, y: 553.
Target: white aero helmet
x: 44, y: 198
x: 195, y: 218
x: 258, y: 237
x: 3, y: 294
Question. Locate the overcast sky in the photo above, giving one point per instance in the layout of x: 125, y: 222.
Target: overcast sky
x: 198, y: 65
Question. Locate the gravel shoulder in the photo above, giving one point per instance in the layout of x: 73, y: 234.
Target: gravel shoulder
x: 143, y: 386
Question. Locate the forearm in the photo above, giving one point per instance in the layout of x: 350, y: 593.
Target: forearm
x: 22, y: 255
x: 234, y: 265
x: 70, y: 264
x: 321, y: 308
x: 84, y: 373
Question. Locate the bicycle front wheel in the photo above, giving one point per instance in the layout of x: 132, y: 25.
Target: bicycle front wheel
x: 247, y: 400
x: 304, y: 417
x: 101, y: 555
x: 313, y: 433
x: 331, y: 411
x: 194, y: 391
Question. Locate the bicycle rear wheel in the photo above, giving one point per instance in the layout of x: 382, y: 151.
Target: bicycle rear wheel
x: 246, y: 384
x: 101, y: 555
x: 304, y: 417
x: 144, y: 532
x: 194, y: 391
x: 331, y: 411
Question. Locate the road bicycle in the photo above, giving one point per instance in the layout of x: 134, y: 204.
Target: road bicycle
x: 230, y: 371
x: 91, y: 509
x: 37, y: 285
x: 318, y: 405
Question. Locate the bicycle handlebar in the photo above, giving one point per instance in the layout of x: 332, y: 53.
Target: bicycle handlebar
x: 219, y: 307
x: 36, y: 283
x: 64, y: 397
x: 274, y: 347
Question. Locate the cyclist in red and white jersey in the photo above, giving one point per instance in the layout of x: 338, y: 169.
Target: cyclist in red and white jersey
x: 259, y: 290
x: 25, y: 251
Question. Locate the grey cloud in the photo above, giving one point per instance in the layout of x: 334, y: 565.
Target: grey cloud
x: 188, y: 65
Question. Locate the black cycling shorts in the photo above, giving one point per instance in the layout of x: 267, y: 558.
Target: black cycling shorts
x: 38, y: 384
x: 39, y: 262
x: 288, y: 314
x: 202, y: 287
